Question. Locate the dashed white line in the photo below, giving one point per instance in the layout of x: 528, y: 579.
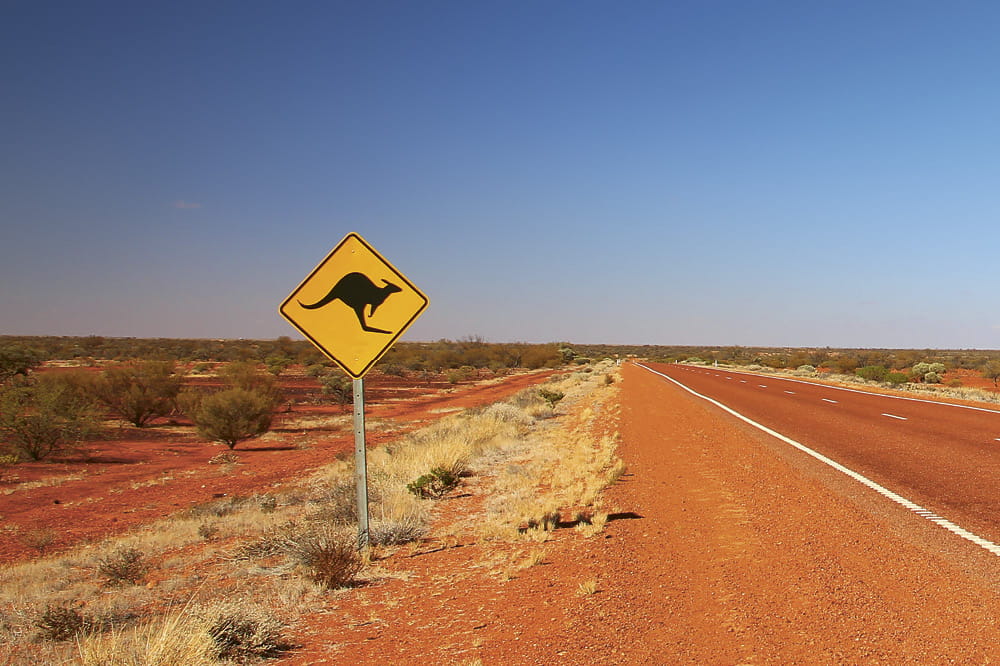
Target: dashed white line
x: 790, y: 392
x: 828, y: 400
x: 762, y: 385
x: 885, y: 492
x: 893, y: 416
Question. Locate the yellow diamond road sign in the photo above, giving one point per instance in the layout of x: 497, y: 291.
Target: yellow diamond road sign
x: 354, y: 305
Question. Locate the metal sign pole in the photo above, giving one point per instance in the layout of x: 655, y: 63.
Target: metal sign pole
x: 361, y: 462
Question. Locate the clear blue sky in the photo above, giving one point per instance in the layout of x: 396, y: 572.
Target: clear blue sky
x: 754, y: 173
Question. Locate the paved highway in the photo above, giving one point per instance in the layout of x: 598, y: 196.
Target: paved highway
x: 943, y: 457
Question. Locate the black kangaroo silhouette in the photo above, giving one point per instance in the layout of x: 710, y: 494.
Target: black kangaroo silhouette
x: 357, y: 290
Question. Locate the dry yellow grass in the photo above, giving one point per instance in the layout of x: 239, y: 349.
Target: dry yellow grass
x: 533, y: 467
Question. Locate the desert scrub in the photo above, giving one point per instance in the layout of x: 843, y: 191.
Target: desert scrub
x: 231, y: 416
x: 44, y: 417
x: 179, y: 638
x: 434, y: 485
x: 568, y: 461
x: 329, y: 556
x: 243, y: 633
x: 124, y: 565
x: 551, y: 397
x: 140, y: 391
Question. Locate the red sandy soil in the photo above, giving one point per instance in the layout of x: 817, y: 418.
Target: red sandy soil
x: 729, y: 549
x: 141, y: 474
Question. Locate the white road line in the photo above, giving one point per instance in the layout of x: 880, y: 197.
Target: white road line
x: 872, y: 393
x: 762, y: 385
x: 893, y: 416
x: 790, y: 392
x: 885, y: 492
x: 828, y: 400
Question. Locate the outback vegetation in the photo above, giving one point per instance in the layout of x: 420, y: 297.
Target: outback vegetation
x: 134, y: 599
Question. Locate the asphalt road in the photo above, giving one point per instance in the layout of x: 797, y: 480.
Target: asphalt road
x: 943, y: 457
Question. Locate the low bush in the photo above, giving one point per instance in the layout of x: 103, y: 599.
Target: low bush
x: 62, y: 623
x: 896, y: 378
x: 231, y: 416
x: 139, y: 392
x: 124, y: 565
x: 875, y: 373
x: 551, y: 397
x: 243, y: 634
x: 438, y: 483
x: 330, y: 556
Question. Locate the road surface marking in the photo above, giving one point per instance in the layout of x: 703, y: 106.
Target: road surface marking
x: 762, y: 385
x: 828, y: 400
x: 790, y: 392
x: 893, y: 416
x: 882, y: 490
x: 872, y: 393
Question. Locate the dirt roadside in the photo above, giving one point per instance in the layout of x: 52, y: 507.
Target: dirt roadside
x: 738, y: 552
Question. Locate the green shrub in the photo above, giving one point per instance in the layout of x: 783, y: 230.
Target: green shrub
x: 437, y: 484
x: 245, y: 375
x: 338, y: 385
x: 277, y: 364
x: 45, y: 417
x: 17, y: 360
x: 928, y: 372
x: 551, y: 397
x: 230, y: 416
x: 139, y: 392
x: 875, y: 373
x: 896, y: 378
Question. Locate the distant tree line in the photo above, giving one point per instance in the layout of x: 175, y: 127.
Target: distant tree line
x: 279, y: 353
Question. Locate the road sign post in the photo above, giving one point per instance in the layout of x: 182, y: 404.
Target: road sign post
x: 354, y: 306
x: 361, y: 463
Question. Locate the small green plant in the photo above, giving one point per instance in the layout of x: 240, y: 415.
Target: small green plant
x: 896, y: 378
x: 124, y: 565
x: 435, y: 485
x: 551, y: 397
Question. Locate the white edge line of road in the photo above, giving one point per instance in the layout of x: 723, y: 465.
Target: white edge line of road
x: 850, y: 390
x: 898, y: 499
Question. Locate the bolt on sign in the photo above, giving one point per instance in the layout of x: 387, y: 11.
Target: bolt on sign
x: 354, y: 305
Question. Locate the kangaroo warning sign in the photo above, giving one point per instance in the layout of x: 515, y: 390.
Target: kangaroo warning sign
x: 354, y: 305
